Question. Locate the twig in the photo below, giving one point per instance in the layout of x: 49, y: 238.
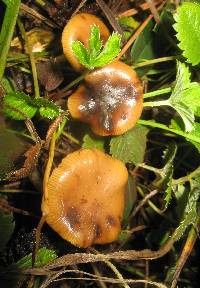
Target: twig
x: 117, y: 273
x: 82, y: 3
x: 143, y: 202
x: 37, y: 15
x: 80, y: 258
x: 110, y: 17
x: 154, y: 11
x: 134, y: 36
x: 187, y: 249
x: 91, y: 277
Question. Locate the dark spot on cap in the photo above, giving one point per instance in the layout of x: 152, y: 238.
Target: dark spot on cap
x: 73, y: 217
x: 105, y: 96
x: 97, y: 232
x: 111, y: 221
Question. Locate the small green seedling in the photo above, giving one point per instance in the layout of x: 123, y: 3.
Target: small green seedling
x: 96, y: 55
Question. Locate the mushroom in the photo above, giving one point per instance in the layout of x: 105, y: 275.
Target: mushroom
x: 79, y: 28
x: 85, y: 201
x: 110, y: 99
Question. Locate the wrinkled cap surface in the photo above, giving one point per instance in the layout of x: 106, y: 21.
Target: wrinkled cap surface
x: 110, y: 99
x: 85, y: 200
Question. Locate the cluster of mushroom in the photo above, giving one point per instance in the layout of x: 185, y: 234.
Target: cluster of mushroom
x: 85, y: 193
x: 110, y: 99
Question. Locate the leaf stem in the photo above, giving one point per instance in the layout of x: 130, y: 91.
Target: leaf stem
x: 155, y: 61
x: 32, y: 59
x: 158, y: 92
x: 150, y: 168
x: 186, y: 178
x: 117, y: 273
x: 164, y: 127
x: 7, y: 30
x: 157, y: 103
x: 71, y: 138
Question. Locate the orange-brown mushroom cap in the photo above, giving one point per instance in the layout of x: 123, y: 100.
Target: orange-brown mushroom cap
x: 79, y: 28
x: 85, y: 201
x: 110, y: 99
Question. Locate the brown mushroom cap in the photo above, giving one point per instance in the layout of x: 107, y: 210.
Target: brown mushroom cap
x: 79, y: 28
x: 110, y: 99
x: 86, y: 198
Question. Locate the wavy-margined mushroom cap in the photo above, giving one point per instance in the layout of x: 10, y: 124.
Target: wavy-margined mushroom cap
x: 86, y: 198
x: 79, y: 28
x: 110, y: 99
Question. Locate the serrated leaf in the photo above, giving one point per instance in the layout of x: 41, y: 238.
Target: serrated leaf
x: 81, y: 53
x: 94, y: 57
x: 7, y: 85
x: 95, y: 42
x: 191, y: 97
x: 167, y: 171
x: 195, y: 132
x: 176, y: 100
x: 186, y: 114
x: 182, y: 80
x: 7, y: 226
x: 14, y: 102
x: 131, y: 146
x: 191, y: 213
x: 93, y: 142
x: 187, y: 27
x: 164, y: 178
x: 47, y: 109
x: 44, y: 256
x: 110, y: 51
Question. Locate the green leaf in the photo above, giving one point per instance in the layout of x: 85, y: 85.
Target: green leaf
x: 110, y: 51
x: 130, y: 197
x: 21, y: 102
x: 187, y: 27
x: 95, y: 42
x: 16, y: 102
x: 129, y: 22
x: 181, y: 89
x: 195, y: 132
x: 186, y: 114
x: 81, y: 53
x: 167, y: 171
x: 92, y: 141
x: 47, y: 109
x: 44, y: 256
x: 9, y: 2
x: 7, y: 226
x: 131, y: 146
x: 7, y: 85
x: 94, y: 57
x: 191, y: 97
x: 191, y: 213
x: 164, y: 177
x: 143, y: 49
